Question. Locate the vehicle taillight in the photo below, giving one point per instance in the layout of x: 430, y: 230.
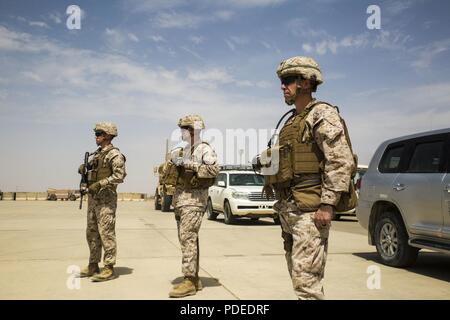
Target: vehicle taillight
x: 358, y: 184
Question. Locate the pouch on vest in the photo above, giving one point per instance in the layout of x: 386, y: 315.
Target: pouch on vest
x: 281, y: 163
x: 349, y: 200
x: 307, y: 198
x: 170, y: 176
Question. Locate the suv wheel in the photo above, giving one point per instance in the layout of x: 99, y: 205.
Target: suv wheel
x: 276, y: 220
x: 228, y: 215
x: 157, y: 201
x: 211, y: 215
x: 166, y: 202
x: 391, y: 240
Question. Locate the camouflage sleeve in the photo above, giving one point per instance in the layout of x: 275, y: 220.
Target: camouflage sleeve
x: 209, y: 167
x: 338, y: 164
x: 118, y: 171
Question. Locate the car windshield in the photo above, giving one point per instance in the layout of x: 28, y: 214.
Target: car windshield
x: 246, y: 180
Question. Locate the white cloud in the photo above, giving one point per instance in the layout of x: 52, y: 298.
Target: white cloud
x: 157, y: 38
x: 168, y: 20
x: 224, y: 15
x: 192, y: 52
x: 24, y: 42
x: 39, y: 24
x: 234, y: 41
x: 335, y: 76
x: 254, y: 3
x: 151, y: 6
x: 32, y: 76
x: 426, y: 54
x: 398, y: 7
x: 197, y: 39
x: 266, y: 45
x: 177, y: 20
x: 308, y: 48
x: 133, y: 37
x: 119, y: 40
x: 55, y: 17
x: 230, y: 45
x: 215, y: 75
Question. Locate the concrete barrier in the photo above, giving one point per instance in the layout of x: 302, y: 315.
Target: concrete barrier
x: 41, y: 196
x: 24, y: 196
x: 8, y: 196
x: 21, y: 196
x: 130, y: 196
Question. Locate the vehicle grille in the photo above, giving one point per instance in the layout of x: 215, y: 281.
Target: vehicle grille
x: 257, y: 196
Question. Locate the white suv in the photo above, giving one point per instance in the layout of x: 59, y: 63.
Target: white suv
x: 238, y: 193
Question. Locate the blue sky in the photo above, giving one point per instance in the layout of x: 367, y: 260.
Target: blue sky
x: 144, y: 64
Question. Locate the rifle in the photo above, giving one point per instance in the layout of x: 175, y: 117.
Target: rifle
x: 84, y: 179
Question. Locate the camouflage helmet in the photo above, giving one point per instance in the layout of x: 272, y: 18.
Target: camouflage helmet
x: 300, y: 66
x: 193, y: 121
x: 107, y: 127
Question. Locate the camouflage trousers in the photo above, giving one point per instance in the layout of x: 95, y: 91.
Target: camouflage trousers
x: 101, y: 223
x: 305, y: 249
x: 189, y: 220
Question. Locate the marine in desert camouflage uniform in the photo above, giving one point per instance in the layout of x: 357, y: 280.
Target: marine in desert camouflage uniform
x: 106, y: 169
x: 197, y: 169
x: 321, y: 165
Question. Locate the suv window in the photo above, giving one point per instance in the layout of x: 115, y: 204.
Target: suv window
x: 426, y: 157
x: 390, y: 162
x: 246, y: 179
x: 221, y: 177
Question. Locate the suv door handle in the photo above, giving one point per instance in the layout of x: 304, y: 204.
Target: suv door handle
x: 399, y: 187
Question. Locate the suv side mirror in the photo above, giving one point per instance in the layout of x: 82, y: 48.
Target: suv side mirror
x: 221, y: 184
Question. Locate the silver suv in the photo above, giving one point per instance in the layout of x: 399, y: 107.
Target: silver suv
x: 404, y: 200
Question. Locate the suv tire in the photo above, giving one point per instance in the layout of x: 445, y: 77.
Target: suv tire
x: 391, y: 241
x: 157, y: 201
x: 210, y: 214
x: 228, y: 214
x: 166, y: 202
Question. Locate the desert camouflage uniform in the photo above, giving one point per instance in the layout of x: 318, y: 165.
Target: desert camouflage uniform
x: 101, y: 215
x: 190, y: 205
x: 306, y: 246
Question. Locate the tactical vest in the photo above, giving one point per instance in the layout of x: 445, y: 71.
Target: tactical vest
x: 188, y: 179
x: 297, y: 158
x: 100, y: 169
x: 301, y: 164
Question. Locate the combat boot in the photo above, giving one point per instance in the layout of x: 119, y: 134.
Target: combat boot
x: 106, y: 274
x: 90, y: 270
x: 198, y: 284
x: 184, y: 289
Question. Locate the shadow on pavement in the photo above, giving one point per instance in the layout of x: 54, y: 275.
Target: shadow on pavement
x: 346, y: 219
x: 122, y: 271
x: 207, y: 282
x: 247, y: 222
x: 430, y: 264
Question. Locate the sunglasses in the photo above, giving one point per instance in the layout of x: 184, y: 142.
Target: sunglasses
x: 288, y: 80
x: 99, y: 133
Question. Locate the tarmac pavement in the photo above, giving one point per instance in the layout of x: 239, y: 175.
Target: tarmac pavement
x: 42, y: 243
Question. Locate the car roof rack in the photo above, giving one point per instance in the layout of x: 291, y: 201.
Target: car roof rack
x: 236, y: 167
